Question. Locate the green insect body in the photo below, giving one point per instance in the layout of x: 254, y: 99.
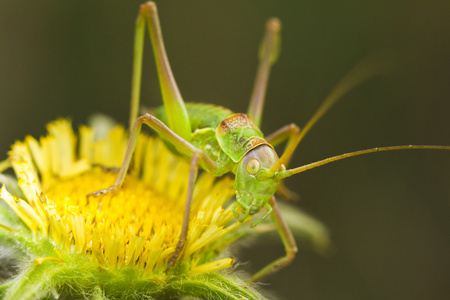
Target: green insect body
x: 220, y: 141
x: 236, y: 145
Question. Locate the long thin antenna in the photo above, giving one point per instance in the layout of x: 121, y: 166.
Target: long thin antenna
x: 325, y: 161
x: 361, y: 72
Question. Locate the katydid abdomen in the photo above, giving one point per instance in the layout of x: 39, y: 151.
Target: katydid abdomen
x: 201, y: 115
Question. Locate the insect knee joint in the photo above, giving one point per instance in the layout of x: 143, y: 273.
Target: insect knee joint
x: 292, y: 252
x: 294, y: 128
x: 197, y: 152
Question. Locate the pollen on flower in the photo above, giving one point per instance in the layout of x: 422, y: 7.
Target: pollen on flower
x: 137, y: 226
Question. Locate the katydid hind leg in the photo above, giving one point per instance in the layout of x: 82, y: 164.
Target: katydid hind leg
x: 288, y: 240
x: 268, y: 54
x: 178, y: 119
x: 137, y: 68
x: 185, y: 227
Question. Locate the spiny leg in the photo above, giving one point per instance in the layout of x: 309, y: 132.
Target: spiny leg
x: 289, y: 132
x: 184, y: 230
x: 288, y: 241
x: 268, y: 54
x: 159, y: 127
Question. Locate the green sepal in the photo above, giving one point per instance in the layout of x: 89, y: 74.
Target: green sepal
x: 61, y: 280
x: 80, y: 277
x: 9, y: 218
x: 34, y: 283
x: 211, y: 286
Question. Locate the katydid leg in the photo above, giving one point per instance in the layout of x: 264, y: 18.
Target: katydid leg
x: 183, y: 146
x: 269, y: 211
x: 288, y: 241
x: 184, y: 230
x: 282, y: 134
x: 289, y: 132
x: 268, y: 54
x: 245, y: 206
x: 178, y: 119
x: 137, y: 68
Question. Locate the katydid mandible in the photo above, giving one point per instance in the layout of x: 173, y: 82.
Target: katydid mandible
x: 220, y: 141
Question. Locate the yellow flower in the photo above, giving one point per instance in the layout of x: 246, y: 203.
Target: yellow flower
x: 137, y: 227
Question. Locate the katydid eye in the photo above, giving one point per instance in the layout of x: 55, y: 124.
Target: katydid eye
x: 253, y: 166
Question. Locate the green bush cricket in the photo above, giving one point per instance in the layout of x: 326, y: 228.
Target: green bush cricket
x: 220, y: 141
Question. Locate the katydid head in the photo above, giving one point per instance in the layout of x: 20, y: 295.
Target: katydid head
x: 253, y: 189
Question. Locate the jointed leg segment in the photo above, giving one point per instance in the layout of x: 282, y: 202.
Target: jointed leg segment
x: 288, y: 241
x: 291, y: 133
x: 184, y: 230
x: 178, y: 119
x: 184, y: 148
x: 268, y: 54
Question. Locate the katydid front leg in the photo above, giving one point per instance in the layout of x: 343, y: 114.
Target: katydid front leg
x: 288, y: 241
x: 289, y: 132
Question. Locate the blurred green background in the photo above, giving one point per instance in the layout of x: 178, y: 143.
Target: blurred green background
x: 388, y: 213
